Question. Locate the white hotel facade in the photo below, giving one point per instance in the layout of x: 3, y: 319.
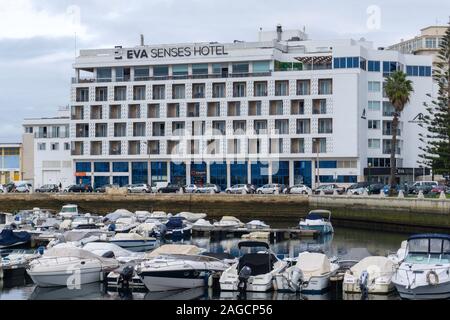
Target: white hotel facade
x: 244, y: 112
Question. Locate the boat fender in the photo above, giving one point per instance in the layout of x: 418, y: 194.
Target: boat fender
x: 432, y: 278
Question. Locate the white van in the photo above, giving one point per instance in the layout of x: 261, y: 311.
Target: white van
x: 158, y: 185
x: 425, y: 183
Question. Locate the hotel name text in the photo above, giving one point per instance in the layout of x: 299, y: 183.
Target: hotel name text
x: 173, y: 52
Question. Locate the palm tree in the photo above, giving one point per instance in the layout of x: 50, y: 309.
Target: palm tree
x: 398, y: 89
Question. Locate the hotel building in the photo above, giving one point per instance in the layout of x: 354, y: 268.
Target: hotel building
x: 10, y: 162
x: 284, y: 109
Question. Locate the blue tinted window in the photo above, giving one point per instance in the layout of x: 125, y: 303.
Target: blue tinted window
x: 83, y: 180
x: 422, y: 71
x: 327, y: 164
x: 100, y: 181
x: 349, y: 62
x: 415, y: 71
x: 260, y: 172
x: 238, y: 173
x: 374, y: 66
x: 303, y: 173
x: 336, y: 63
x: 326, y: 179
x: 159, y: 171
x: 83, y: 167
x: 178, y: 173
x: 342, y: 62
x: 409, y: 70
x: 101, y: 166
x: 198, y: 173
x: 355, y: 62
x: 121, y: 181
x: 428, y: 71
x: 160, y: 71
x: 120, y: 166
x: 218, y: 174
x: 347, y: 179
x: 280, y: 172
x: 139, y: 172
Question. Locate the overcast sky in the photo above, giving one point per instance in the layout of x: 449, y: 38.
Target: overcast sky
x: 37, y: 37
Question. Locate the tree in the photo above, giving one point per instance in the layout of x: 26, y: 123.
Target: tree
x: 398, y: 89
x: 437, y: 119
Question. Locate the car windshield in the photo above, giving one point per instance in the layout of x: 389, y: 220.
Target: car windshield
x: 69, y: 209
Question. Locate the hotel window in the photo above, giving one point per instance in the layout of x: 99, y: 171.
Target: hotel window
x: 28, y: 129
x: 276, y: 108
x: 260, y: 89
x: 261, y: 67
x: 388, y: 109
x: 193, y: 146
x: 101, y: 130
x: 198, y: 128
x: 275, y: 145
x: 297, y: 145
x: 240, y: 69
x: 193, y: 109
x: 297, y: 107
x: 180, y: 71
x: 198, y: 90
x: 282, y: 88
x: 374, y: 143
x: 234, y: 109
x: 387, y: 146
x: 319, y: 106
x: 213, y: 147
x: 123, y: 74
x: 101, y: 94
x: 173, y: 110
x: 104, y: 75
x: 390, y: 67
x: 374, y: 66
x: 303, y: 126
x: 120, y: 129
x: 239, y: 127
x: 96, y: 148
x: 347, y: 164
x: 153, y: 147
x: 213, y: 109
x: 374, y: 86
x: 418, y: 71
x: 96, y: 112
x: 82, y: 94
x: 218, y: 90
x: 160, y: 72
x: 260, y: 126
x: 139, y: 92
x: 77, y: 148
x: 178, y: 128
x: 77, y: 113
x: 254, y: 146
x: 139, y: 129
x: 239, y: 89
x: 158, y: 129
x: 220, y: 70
x: 373, y: 124
x: 82, y: 130
x: 120, y: 93
x: 430, y: 43
x: 41, y: 146
x: 281, y: 126
x: 66, y: 146
x: 303, y: 87
x: 134, y: 111
x: 141, y: 74
x: 115, y: 112
x: 173, y: 147
x: 255, y: 108
x: 159, y: 92
x: 234, y: 146
x: 178, y: 91
x: 374, y: 105
x: 325, y: 126
x: 319, y: 145
x: 325, y: 86
x: 115, y: 147
x: 153, y: 110
x: 199, y: 70
x: 134, y: 147
x: 218, y: 127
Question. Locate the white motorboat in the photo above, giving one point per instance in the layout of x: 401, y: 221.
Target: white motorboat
x: 319, y: 220
x: 78, y: 238
x: 160, y: 215
x: 71, y: 267
x: 173, y: 272
x: 256, y: 224
x: 253, y: 271
x: 124, y: 225
x: 256, y: 235
x: 134, y: 241
x: 141, y: 216
x: 120, y: 254
x: 202, y: 225
x: 371, y: 275
x: 228, y: 222
x: 119, y: 213
x: 191, y: 217
x: 16, y: 262
x: 425, y: 272
x: 69, y: 211
x: 310, y: 274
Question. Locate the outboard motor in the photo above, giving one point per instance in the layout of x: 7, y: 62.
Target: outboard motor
x: 363, y: 281
x: 296, y: 279
x: 126, y: 276
x: 108, y: 254
x: 244, y: 275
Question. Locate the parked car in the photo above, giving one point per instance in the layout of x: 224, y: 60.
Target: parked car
x: 2, y: 189
x: 208, y: 188
x: 358, y: 185
x: 438, y: 189
x: 139, y: 188
x: 375, y: 188
x: 190, y: 188
x: 158, y: 185
x: 397, y: 188
x: 170, y: 188
x: 298, y: 189
x: 329, y: 189
x: 102, y: 189
x: 48, y: 188
x: 270, y: 189
x: 358, y: 191
x: 425, y: 188
x: 238, y: 189
x: 23, y: 187
x: 252, y: 188
x: 80, y: 188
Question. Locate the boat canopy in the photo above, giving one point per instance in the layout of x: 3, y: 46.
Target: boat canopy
x: 375, y: 265
x: 8, y: 237
x: 74, y: 253
x: 313, y: 264
x: 430, y: 236
x: 253, y: 244
x: 429, y: 244
x: 175, y: 223
x: 318, y: 214
x: 172, y: 249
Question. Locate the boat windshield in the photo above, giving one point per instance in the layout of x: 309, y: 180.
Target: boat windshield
x: 69, y: 209
x: 428, y: 251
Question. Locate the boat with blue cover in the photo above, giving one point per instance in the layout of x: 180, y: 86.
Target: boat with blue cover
x: 178, y: 227
x: 10, y: 238
x: 318, y: 220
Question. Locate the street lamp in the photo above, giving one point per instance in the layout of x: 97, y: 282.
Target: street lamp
x: 369, y: 165
x: 315, y: 142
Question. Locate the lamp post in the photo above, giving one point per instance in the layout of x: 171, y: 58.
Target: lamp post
x: 369, y: 165
x: 315, y: 142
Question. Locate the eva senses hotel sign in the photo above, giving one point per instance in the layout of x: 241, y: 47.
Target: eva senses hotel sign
x: 170, y: 52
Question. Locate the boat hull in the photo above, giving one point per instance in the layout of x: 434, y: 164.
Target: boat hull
x: 427, y: 292
x: 135, y: 245
x: 174, y: 280
x: 315, y: 285
x: 66, y: 278
x: 322, y: 229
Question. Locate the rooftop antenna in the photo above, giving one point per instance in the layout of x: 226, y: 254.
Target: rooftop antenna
x: 75, y: 44
x: 142, y: 40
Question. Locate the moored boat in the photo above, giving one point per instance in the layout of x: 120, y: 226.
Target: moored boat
x: 318, y: 220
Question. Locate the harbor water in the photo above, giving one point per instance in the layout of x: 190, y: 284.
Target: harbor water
x: 345, y: 242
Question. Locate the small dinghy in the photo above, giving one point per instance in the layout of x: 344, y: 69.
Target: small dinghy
x: 202, y: 225
x: 256, y: 224
x: 228, y: 222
